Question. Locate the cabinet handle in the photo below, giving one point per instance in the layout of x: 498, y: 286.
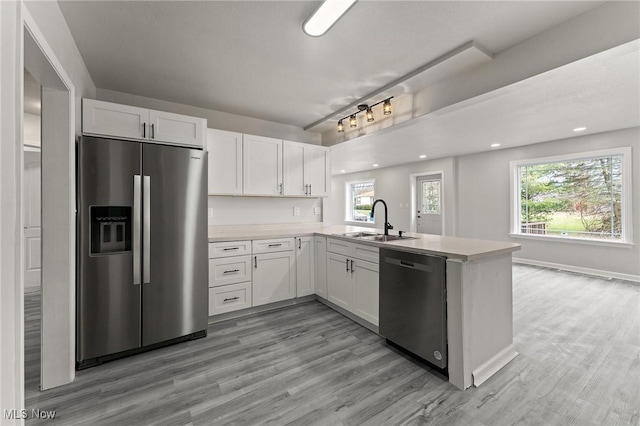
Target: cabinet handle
x: 309, y: 189
x: 352, y: 266
x: 306, y: 189
x: 230, y: 248
x: 275, y: 245
x: 153, y: 132
x: 231, y: 271
x: 347, y: 265
x: 231, y: 299
x: 144, y: 130
x: 255, y: 262
x: 281, y: 188
x: 300, y: 243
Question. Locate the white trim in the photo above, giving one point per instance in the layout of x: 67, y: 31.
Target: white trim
x: 578, y: 269
x: 413, y: 178
x: 29, y: 24
x: 573, y: 240
x: 493, y: 364
x: 626, y: 196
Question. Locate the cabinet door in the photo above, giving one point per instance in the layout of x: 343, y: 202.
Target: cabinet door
x: 366, y: 290
x: 320, y: 254
x: 262, y: 165
x: 316, y: 171
x: 305, y: 271
x: 109, y: 119
x: 339, y: 282
x: 274, y: 277
x: 225, y: 162
x: 177, y: 129
x: 293, y: 168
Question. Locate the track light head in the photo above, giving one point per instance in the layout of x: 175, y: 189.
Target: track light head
x: 352, y: 121
x: 340, y: 126
x: 369, y: 114
x: 386, y: 107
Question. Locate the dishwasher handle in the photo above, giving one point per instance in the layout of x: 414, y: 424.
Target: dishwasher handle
x: 410, y: 265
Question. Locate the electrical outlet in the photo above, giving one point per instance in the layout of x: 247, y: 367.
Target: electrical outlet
x: 296, y: 211
x: 210, y: 212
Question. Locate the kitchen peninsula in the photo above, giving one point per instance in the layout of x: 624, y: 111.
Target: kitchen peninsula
x: 478, y: 287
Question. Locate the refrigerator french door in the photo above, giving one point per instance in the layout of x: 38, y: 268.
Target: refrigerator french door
x: 142, y: 247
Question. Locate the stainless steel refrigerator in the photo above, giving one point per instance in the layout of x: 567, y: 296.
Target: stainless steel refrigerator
x: 142, y: 247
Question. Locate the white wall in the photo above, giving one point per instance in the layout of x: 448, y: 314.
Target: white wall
x: 262, y: 210
x: 215, y: 119
x: 393, y: 186
x: 484, y: 203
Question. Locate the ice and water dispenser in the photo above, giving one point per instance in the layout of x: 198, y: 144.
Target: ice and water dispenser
x: 110, y: 229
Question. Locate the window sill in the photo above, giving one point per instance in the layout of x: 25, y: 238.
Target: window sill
x: 618, y: 244
x: 363, y: 224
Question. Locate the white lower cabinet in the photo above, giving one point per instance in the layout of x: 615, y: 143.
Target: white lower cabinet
x: 274, y: 277
x: 305, y: 270
x: 320, y: 254
x: 353, y: 278
x: 228, y: 298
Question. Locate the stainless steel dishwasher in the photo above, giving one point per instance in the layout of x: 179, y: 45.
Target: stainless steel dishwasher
x: 413, y: 304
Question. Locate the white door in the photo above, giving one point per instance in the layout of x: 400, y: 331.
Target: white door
x: 320, y: 254
x: 339, y: 282
x: 262, y: 165
x: 305, y: 271
x: 177, y: 128
x: 429, y: 202
x: 225, y: 162
x: 293, y: 168
x: 274, y: 277
x: 109, y: 119
x: 316, y: 166
x: 366, y: 290
x: 32, y: 220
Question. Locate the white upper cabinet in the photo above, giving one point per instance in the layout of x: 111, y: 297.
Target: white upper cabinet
x: 225, y: 162
x: 128, y: 122
x: 316, y: 171
x: 106, y: 118
x: 306, y: 169
x: 261, y: 166
x: 177, y: 128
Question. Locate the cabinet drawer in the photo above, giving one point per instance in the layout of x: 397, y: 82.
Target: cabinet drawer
x: 229, y: 270
x: 231, y: 297
x: 339, y: 247
x: 275, y: 245
x: 372, y: 254
x: 229, y: 248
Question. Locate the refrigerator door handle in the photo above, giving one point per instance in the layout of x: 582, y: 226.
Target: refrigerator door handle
x: 146, y: 231
x: 137, y: 193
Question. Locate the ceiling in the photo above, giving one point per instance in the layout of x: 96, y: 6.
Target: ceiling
x: 600, y: 92
x: 252, y: 58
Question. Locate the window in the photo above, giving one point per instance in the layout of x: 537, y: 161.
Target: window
x: 584, y: 196
x: 360, y: 198
x: 431, y: 196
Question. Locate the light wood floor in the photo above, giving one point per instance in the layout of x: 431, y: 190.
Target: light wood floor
x: 579, y: 364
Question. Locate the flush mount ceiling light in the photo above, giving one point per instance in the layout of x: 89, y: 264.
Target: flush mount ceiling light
x: 495, y: 145
x: 386, y: 110
x: 579, y: 129
x: 325, y: 16
x: 423, y: 156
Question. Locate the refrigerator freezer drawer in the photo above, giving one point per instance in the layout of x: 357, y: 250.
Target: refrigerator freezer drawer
x: 229, y: 270
x: 228, y: 298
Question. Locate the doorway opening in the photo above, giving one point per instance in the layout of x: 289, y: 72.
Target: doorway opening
x: 427, y: 202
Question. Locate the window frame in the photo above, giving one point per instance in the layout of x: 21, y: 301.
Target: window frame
x: 626, y: 196
x: 348, y: 220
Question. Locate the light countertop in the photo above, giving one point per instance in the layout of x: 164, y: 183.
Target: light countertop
x: 451, y: 247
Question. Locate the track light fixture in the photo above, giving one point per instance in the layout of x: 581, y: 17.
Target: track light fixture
x: 386, y: 110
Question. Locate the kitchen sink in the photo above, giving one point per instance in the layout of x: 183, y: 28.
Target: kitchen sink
x: 384, y: 238
x: 360, y: 234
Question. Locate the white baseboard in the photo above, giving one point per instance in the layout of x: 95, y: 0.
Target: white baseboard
x: 491, y: 366
x: 578, y: 269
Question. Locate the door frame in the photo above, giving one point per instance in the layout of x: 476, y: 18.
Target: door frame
x: 58, y: 306
x: 413, y: 184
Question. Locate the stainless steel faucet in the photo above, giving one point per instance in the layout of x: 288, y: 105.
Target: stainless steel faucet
x: 387, y: 225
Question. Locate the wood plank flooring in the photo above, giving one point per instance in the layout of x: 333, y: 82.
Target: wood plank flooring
x: 579, y: 364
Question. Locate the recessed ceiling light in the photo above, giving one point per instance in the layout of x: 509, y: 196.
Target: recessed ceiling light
x: 495, y: 145
x: 579, y: 129
x: 423, y: 156
x: 375, y: 165
x: 325, y: 16
x: 343, y: 171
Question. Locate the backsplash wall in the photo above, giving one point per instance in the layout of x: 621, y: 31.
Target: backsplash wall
x: 228, y: 210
